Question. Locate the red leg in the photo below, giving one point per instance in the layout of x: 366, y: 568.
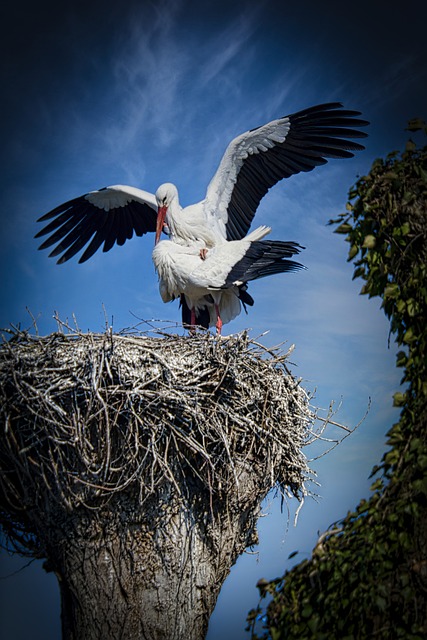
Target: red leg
x: 193, y: 321
x: 218, y: 320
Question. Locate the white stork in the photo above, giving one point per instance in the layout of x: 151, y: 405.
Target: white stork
x: 252, y: 163
x: 211, y: 289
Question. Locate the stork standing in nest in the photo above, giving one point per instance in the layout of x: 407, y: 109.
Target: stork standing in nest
x: 212, y: 289
x: 252, y: 163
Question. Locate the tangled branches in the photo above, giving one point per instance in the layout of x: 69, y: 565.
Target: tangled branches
x: 88, y: 416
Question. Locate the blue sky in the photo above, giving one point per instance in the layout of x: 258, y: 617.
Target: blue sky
x: 141, y: 93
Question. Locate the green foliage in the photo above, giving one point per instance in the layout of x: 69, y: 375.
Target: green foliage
x: 368, y: 575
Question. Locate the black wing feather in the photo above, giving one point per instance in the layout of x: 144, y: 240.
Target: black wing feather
x: 315, y: 134
x: 78, y: 222
x: 82, y: 238
x: 67, y: 235
x: 264, y: 258
x: 93, y: 246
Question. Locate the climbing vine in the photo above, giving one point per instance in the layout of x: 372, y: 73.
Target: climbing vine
x: 367, y: 576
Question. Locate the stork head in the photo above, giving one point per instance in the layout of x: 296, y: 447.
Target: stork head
x: 165, y: 194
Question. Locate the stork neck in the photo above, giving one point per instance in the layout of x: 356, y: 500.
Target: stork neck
x: 174, y: 219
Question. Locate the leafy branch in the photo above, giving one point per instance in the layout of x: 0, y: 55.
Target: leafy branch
x: 367, y: 576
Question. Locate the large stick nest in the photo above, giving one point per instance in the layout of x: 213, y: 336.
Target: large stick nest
x: 87, y: 416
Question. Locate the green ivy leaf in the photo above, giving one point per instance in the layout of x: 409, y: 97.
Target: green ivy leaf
x: 409, y: 336
x: 399, y: 399
x: 401, y: 359
x: 353, y: 251
x: 381, y: 603
x: 369, y: 242
x: 307, y: 611
x: 411, y: 307
x: 345, y: 227
x: 416, y: 124
x: 391, y: 290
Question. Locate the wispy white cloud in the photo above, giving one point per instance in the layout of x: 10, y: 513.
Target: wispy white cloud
x: 150, y: 86
x: 225, y: 50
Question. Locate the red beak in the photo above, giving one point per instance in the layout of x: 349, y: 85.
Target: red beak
x: 161, y: 216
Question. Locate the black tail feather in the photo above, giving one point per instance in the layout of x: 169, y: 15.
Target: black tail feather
x: 244, y: 297
x: 265, y: 258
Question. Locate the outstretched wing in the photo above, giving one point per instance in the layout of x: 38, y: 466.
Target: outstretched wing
x: 255, y: 161
x: 108, y: 216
